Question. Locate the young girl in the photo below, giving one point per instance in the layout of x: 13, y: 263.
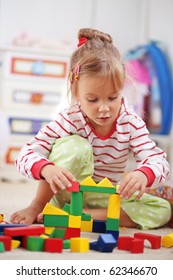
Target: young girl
x: 93, y: 137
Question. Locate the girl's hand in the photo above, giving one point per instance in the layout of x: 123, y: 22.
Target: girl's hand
x: 57, y: 177
x: 134, y: 181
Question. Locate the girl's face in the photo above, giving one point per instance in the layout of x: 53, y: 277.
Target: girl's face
x: 100, y: 102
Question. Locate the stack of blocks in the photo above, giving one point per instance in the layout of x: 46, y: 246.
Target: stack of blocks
x: 68, y: 222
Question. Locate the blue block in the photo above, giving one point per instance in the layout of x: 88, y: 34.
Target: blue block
x: 106, y: 243
x: 114, y: 233
x: 99, y: 226
x: 2, y: 226
x: 93, y: 245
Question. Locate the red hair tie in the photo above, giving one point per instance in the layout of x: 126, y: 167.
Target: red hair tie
x: 82, y: 41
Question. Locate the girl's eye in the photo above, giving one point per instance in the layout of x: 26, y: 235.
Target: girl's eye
x: 112, y: 98
x: 92, y: 100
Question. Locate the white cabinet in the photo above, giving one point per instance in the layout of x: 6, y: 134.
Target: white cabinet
x: 33, y: 88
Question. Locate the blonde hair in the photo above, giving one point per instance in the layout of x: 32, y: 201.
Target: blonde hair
x: 97, y: 56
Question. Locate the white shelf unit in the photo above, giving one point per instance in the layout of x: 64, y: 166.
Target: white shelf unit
x: 33, y: 88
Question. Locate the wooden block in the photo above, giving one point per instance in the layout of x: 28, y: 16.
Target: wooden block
x: 2, y: 248
x: 15, y: 243
x: 53, y: 245
x: 66, y: 244
x: 106, y: 183
x: 35, y: 243
x: 99, y: 226
x: 55, y: 220
x: 97, y: 189
x: 167, y: 240
x: 114, y: 206
x: 72, y: 232
x: 6, y: 241
x: 58, y: 233
x: 87, y: 226
x: 106, y: 243
x: 88, y: 182
x: 86, y: 217
x: 74, y: 221
x: 79, y: 244
x: 75, y: 187
x: 76, y: 205
x: 49, y: 230
x: 155, y: 240
x: 124, y: 242
x: 112, y: 224
x: 21, y: 231
x: 50, y: 209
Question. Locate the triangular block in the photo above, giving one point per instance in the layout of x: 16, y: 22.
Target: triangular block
x: 50, y: 209
x: 88, y: 182
x: 105, y: 183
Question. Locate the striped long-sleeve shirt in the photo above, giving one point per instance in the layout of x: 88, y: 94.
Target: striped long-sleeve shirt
x: 129, y: 134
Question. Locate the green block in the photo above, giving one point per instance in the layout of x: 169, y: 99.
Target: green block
x: 55, y: 220
x: 76, y: 205
x: 97, y: 189
x: 86, y: 217
x: 2, y: 248
x: 58, y: 233
x: 66, y: 244
x: 112, y: 224
x: 35, y: 243
x: 67, y: 207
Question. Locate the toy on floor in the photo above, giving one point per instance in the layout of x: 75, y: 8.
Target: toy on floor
x: 167, y: 240
x: 62, y: 227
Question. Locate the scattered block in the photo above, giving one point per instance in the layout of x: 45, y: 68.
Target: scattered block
x: 124, y: 242
x: 6, y: 240
x: 155, y: 240
x: 35, y: 243
x: 79, y: 244
x: 28, y: 230
x: 15, y: 243
x: 137, y: 246
x: 2, y: 248
x: 106, y: 243
x: 53, y: 245
x: 167, y: 240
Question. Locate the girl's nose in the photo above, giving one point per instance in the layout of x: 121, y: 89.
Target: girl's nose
x: 104, y: 108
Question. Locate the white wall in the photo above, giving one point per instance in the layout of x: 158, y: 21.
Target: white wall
x: 60, y: 20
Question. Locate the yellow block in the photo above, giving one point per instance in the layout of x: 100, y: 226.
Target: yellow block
x: 15, y: 244
x: 87, y: 226
x: 50, y: 209
x: 44, y: 236
x: 74, y: 221
x: 49, y: 230
x: 167, y: 240
x: 105, y: 183
x: 79, y: 244
x: 88, y: 182
x: 114, y: 205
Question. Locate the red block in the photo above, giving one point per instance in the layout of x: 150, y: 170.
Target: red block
x: 53, y: 245
x: 137, y: 245
x: 72, y: 232
x: 7, y: 242
x: 74, y: 188
x: 24, y: 231
x: 124, y: 242
x: 155, y: 240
